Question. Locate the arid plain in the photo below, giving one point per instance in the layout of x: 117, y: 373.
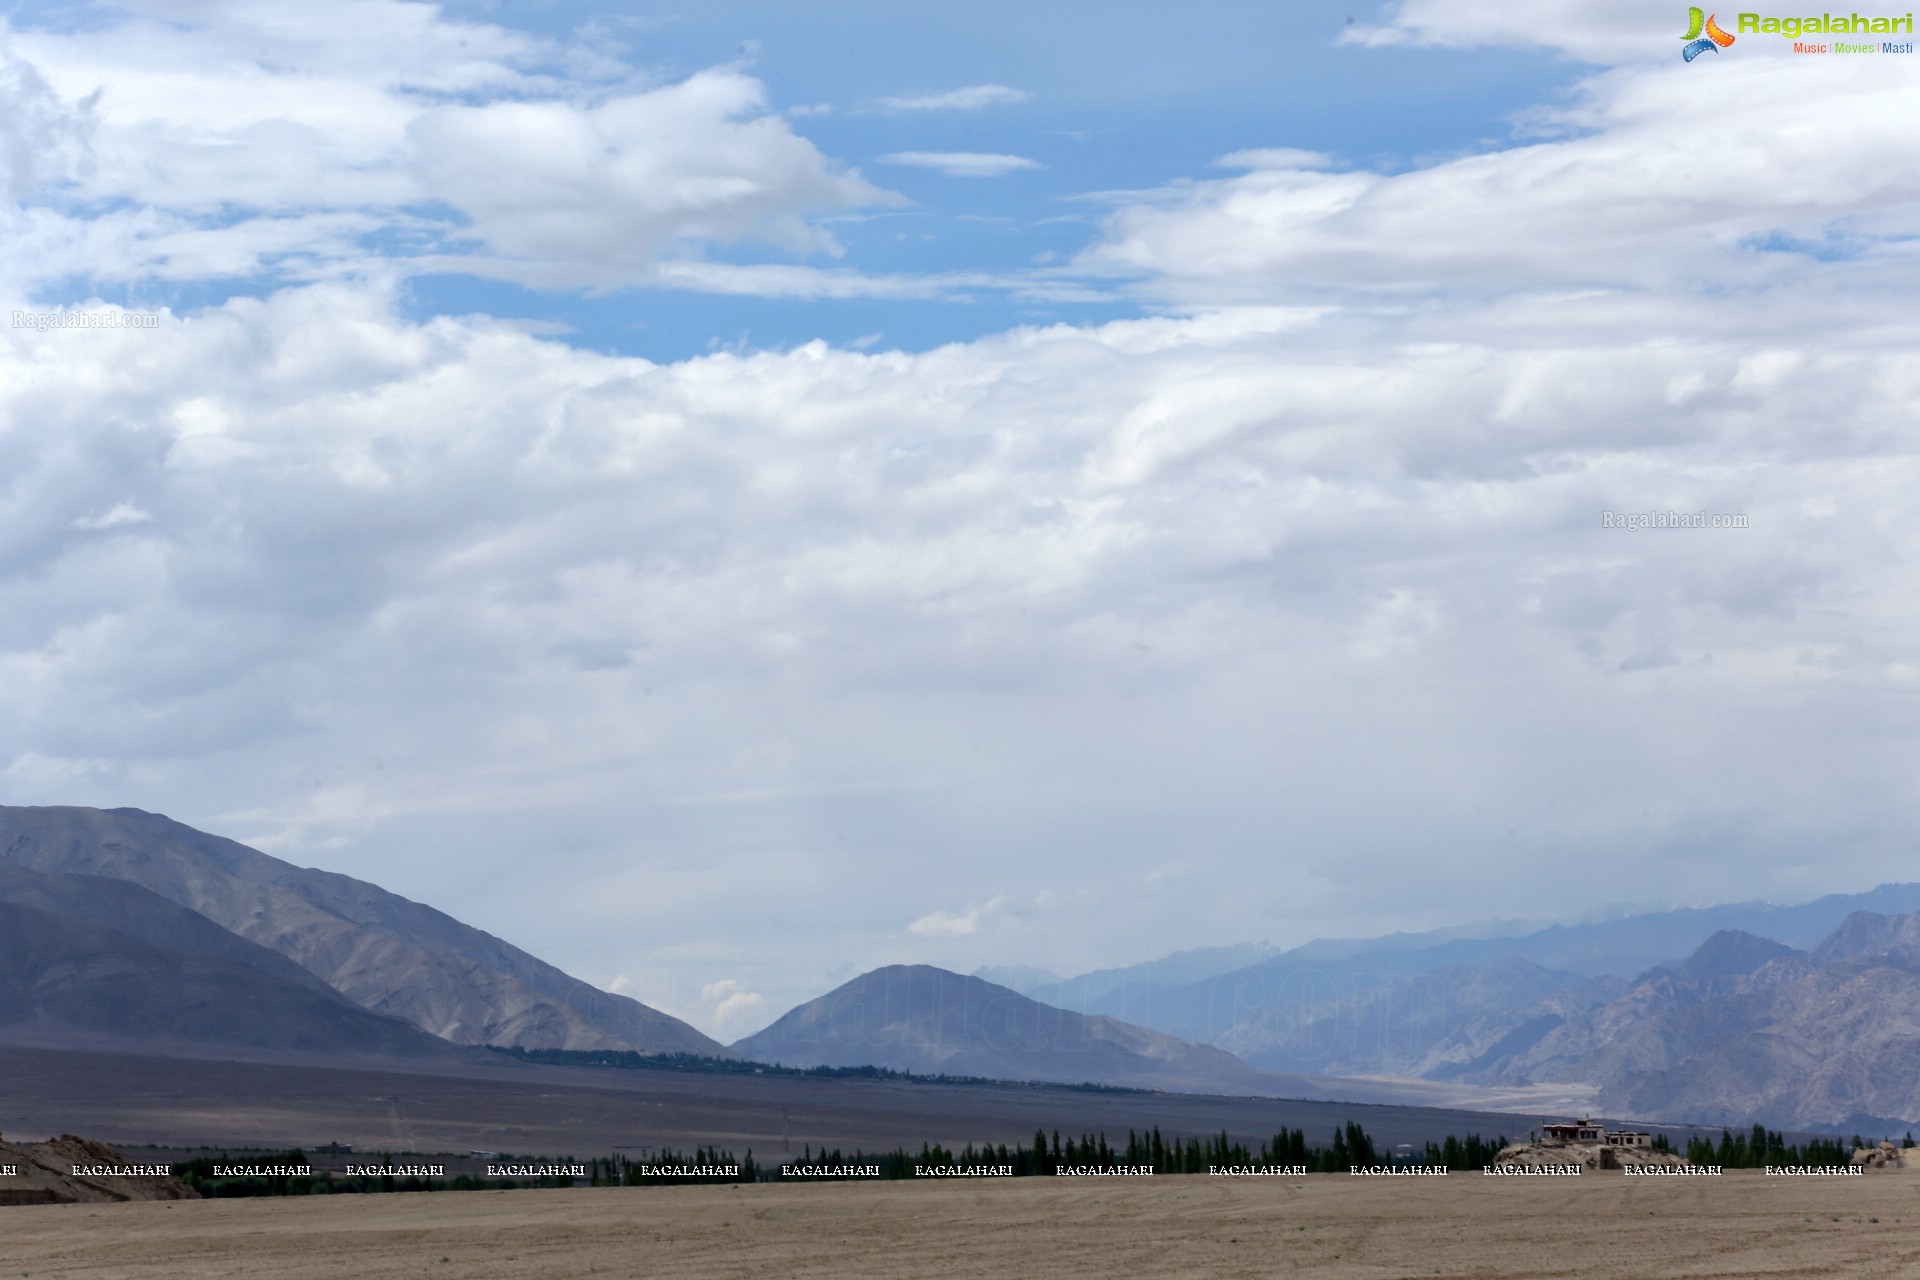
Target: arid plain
x: 1738, y: 1225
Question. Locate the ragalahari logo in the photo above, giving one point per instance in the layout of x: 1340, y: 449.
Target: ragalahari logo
x: 1715, y: 39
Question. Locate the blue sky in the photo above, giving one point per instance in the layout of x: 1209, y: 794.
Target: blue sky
x: 728, y: 499
x: 1102, y: 99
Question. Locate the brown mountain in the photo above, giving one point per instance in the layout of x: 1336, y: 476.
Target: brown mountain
x: 1746, y: 1029
x: 381, y: 951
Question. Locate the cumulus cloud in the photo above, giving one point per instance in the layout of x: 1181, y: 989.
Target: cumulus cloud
x: 963, y: 164
x: 576, y: 195
x: 732, y: 1009
x: 760, y: 626
x: 43, y: 138
x: 1795, y: 172
x: 1302, y: 586
x: 383, y: 139
x: 962, y: 924
x: 972, y: 98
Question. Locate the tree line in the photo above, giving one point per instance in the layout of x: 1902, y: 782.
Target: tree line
x: 701, y: 1064
x: 1045, y: 1155
x: 1763, y: 1147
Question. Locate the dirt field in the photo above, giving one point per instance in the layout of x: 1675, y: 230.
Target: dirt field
x: 1739, y: 1225
x: 554, y: 1111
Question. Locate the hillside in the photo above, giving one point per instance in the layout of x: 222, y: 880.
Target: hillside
x: 1747, y: 1029
x: 381, y: 951
x: 60, y: 975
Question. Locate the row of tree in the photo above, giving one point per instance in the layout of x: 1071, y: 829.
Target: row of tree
x: 1044, y: 1156
x: 1150, y: 1149
x: 1763, y: 1147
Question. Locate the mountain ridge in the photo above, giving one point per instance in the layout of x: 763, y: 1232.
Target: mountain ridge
x: 380, y: 950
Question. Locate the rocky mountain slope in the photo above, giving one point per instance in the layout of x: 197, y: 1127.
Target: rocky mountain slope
x: 1748, y: 1029
x: 1413, y: 1026
x: 384, y: 952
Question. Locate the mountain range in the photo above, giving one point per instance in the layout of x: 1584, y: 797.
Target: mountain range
x: 1199, y: 996
x: 1814, y: 1027
x: 127, y: 927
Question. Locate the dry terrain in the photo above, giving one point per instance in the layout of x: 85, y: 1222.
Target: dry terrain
x: 1739, y: 1225
x: 496, y: 1105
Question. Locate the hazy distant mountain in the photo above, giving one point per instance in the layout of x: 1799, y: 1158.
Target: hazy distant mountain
x: 919, y: 1018
x: 60, y: 975
x: 380, y: 950
x: 1023, y: 978
x: 926, y: 1020
x: 1867, y: 933
x: 1748, y: 1029
x: 1326, y: 974
x: 1398, y: 1028
x: 1121, y: 991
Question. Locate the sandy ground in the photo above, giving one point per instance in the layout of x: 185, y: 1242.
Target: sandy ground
x: 1739, y: 1225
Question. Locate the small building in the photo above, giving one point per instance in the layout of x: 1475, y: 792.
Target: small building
x: 1581, y: 1132
x: 1590, y: 1132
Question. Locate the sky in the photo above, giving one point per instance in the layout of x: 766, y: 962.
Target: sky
x: 727, y: 498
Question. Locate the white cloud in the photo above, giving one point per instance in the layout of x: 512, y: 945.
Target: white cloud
x: 1300, y: 587
x: 733, y: 1010
x: 972, y: 98
x: 963, y: 164
x: 43, y: 138
x: 1621, y: 198
x: 1275, y: 158
x: 750, y: 633
x: 963, y: 924
x: 116, y: 516
x: 1599, y: 31
x: 578, y: 196
x: 234, y: 143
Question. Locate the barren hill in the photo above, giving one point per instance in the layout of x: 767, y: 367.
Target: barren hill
x: 45, y: 1175
x: 1746, y: 1029
x: 380, y: 950
x: 922, y: 1019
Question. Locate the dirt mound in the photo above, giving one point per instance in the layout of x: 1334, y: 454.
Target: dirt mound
x: 1587, y: 1157
x: 1884, y: 1156
x: 74, y: 1170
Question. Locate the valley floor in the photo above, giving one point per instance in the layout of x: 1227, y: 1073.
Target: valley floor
x: 1738, y: 1225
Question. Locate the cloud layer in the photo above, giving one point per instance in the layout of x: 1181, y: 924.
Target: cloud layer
x: 150, y: 151
x: 1287, y: 605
